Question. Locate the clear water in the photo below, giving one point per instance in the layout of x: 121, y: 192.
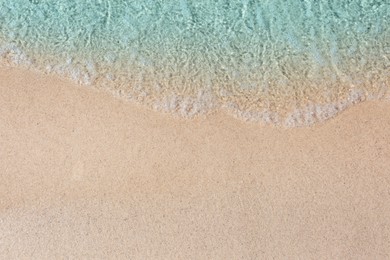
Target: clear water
x: 280, y: 61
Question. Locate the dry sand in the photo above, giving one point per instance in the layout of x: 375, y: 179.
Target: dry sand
x: 85, y: 175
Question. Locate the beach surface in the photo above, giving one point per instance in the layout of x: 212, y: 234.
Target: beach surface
x: 86, y: 175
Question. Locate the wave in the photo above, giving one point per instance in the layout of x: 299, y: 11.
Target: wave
x: 281, y: 62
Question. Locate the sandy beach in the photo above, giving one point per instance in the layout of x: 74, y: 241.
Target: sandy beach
x: 86, y: 175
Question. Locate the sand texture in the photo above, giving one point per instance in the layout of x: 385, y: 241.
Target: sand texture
x: 85, y: 175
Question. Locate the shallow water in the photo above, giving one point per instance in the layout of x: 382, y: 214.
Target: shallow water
x: 284, y: 62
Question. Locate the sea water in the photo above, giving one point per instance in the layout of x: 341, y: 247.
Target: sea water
x: 286, y: 62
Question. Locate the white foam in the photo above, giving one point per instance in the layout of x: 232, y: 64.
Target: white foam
x: 313, y: 113
x: 12, y: 55
x: 188, y: 106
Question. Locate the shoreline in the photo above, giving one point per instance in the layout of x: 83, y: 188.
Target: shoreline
x: 85, y: 174
x: 275, y: 108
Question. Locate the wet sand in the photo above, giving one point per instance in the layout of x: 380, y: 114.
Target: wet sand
x: 85, y: 175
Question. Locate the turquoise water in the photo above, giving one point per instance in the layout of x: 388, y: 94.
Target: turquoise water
x: 284, y: 62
